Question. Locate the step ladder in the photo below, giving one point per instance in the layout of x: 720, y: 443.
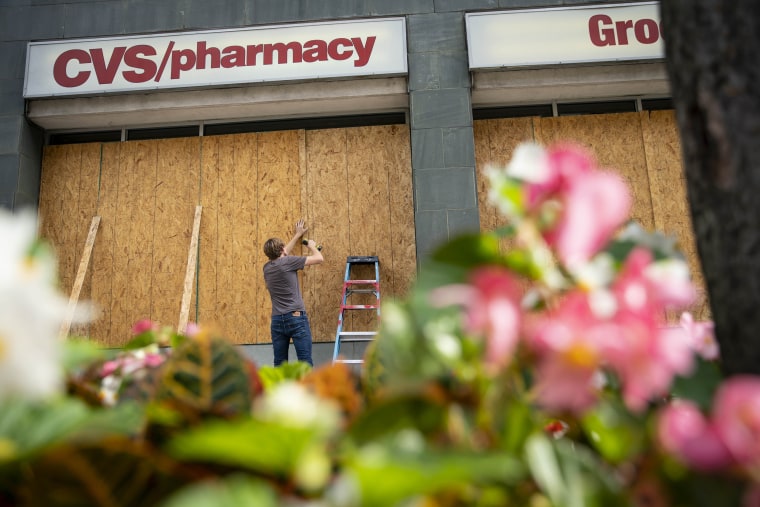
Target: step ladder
x: 352, y: 287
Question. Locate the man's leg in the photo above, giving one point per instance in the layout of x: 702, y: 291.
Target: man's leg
x: 280, y: 339
x: 301, y: 333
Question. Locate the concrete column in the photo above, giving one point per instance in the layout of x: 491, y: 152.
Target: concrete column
x: 443, y: 148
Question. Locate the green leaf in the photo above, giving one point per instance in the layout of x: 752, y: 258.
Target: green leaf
x: 233, y: 491
x: 700, y: 385
x: 613, y: 431
x: 119, y: 471
x: 256, y: 445
x: 273, y: 375
x: 386, y: 475
x: 570, y: 475
x: 469, y: 250
x: 78, y: 354
x: 397, y: 413
x: 206, y: 376
x: 31, y: 427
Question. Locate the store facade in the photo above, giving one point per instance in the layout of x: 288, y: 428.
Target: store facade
x: 374, y: 120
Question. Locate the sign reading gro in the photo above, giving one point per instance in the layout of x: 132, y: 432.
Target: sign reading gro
x: 564, y: 35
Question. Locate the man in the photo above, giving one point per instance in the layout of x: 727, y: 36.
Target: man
x: 289, y: 318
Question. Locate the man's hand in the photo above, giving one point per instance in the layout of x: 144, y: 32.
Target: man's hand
x: 301, y: 228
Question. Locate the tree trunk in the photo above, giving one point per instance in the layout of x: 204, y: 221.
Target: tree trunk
x: 713, y: 60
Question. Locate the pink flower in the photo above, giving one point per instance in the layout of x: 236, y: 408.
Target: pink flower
x: 647, y: 357
x: 492, y: 308
x: 593, y: 203
x: 736, y: 414
x: 109, y: 367
x: 143, y: 326
x: 685, y: 433
x: 569, y: 342
x: 701, y: 335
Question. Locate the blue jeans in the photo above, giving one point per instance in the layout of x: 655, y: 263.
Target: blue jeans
x: 287, y: 326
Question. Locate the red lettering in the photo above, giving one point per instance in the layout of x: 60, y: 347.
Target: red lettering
x: 61, y: 64
x: 315, y: 51
x: 203, y: 53
x: 647, y: 31
x: 599, y: 30
x: 602, y: 33
x: 106, y: 73
x: 134, y: 59
x: 622, y: 31
x: 182, y: 59
x: 234, y: 56
x: 335, y: 54
x: 282, y: 52
x: 250, y: 57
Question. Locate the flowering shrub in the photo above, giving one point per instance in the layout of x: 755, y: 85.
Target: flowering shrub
x: 529, y: 366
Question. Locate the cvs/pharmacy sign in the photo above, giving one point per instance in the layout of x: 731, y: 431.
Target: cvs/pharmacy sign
x: 215, y: 58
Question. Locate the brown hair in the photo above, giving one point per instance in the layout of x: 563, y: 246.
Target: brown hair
x: 273, y: 248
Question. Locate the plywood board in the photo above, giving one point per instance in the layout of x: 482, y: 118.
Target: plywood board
x: 208, y: 260
x: 176, y: 194
x: 242, y: 314
x: 616, y: 142
x: 84, y: 264
x: 134, y: 238
x: 103, y: 251
x: 402, y: 269
x: 495, y: 143
x: 369, y: 212
x: 327, y: 181
x: 669, y: 198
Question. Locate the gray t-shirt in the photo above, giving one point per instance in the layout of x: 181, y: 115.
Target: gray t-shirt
x: 281, y: 278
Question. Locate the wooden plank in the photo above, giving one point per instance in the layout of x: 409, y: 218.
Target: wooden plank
x: 281, y: 186
x: 176, y: 191
x: 615, y: 140
x: 87, y: 207
x: 187, y: 286
x: 495, y: 143
x: 669, y: 198
x: 209, y: 233
x: 103, y: 251
x: 368, y: 192
x: 327, y: 181
x: 83, y: 264
x: 401, y: 269
x: 242, y: 315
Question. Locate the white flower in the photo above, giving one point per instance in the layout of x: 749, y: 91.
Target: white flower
x: 529, y: 163
x: 31, y: 312
x: 291, y: 404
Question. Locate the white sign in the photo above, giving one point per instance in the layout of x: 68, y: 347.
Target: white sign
x: 216, y: 58
x: 564, y: 35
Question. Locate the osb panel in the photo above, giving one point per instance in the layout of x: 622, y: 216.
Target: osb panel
x: 402, y: 272
x: 616, y: 142
x: 369, y: 213
x: 207, y: 304
x: 225, y: 259
x: 67, y: 204
x: 102, y: 261
x: 134, y: 238
x: 59, y: 204
x: 280, y: 182
x: 241, y: 318
x: 176, y: 196
x: 87, y: 209
x: 495, y: 142
x: 327, y: 182
x: 669, y: 198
